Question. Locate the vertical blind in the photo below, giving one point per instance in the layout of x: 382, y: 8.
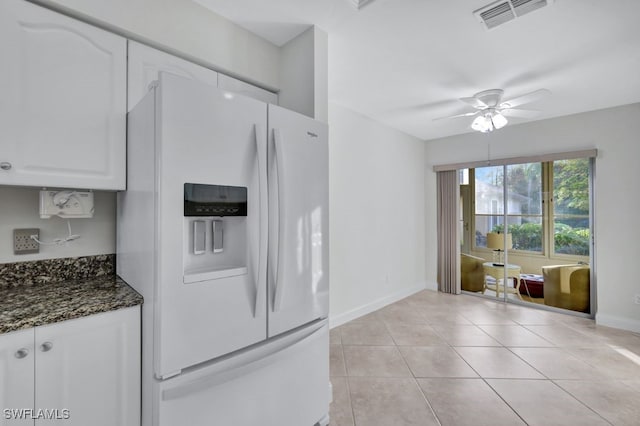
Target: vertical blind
x: 448, y: 243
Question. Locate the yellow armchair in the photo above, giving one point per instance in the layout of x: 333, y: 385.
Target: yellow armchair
x: 471, y: 273
x: 567, y: 287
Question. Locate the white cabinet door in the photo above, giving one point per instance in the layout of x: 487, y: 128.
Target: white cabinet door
x: 16, y: 377
x: 91, y: 367
x: 145, y: 63
x: 63, y: 103
x: 233, y: 85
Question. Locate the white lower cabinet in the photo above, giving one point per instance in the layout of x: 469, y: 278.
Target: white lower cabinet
x: 79, y: 372
x: 17, y: 369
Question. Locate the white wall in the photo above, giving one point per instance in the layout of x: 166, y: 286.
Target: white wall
x: 614, y: 132
x: 320, y: 75
x: 188, y: 29
x: 377, y: 205
x: 20, y: 209
x: 303, y: 74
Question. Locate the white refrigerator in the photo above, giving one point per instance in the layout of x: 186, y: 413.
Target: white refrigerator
x: 224, y: 231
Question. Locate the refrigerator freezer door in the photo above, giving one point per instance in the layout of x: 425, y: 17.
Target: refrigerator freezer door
x: 284, y: 382
x: 299, y: 220
x: 208, y: 136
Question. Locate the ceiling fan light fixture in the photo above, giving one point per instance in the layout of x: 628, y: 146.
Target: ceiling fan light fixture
x: 482, y: 124
x: 489, y: 122
x: 499, y: 120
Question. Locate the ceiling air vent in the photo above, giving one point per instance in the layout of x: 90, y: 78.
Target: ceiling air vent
x: 522, y: 7
x: 499, y: 12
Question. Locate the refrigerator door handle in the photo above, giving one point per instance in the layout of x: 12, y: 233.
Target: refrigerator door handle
x: 257, y: 361
x: 278, y: 290
x: 261, y: 151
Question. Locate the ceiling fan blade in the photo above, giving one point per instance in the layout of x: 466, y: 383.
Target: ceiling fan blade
x: 521, y: 113
x: 475, y: 102
x: 466, y: 114
x: 525, y: 99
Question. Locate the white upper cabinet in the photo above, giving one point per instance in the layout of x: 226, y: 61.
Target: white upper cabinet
x: 145, y: 63
x: 233, y: 85
x: 63, y: 102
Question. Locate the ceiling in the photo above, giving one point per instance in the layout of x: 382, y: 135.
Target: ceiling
x: 407, y: 62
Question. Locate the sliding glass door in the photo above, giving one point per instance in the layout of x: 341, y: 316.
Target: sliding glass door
x: 526, y: 233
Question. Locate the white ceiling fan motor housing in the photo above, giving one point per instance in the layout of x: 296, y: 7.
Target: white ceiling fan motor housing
x: 491, y: 98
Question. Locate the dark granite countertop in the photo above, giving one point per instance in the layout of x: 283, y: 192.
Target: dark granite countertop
x: 26, y: 306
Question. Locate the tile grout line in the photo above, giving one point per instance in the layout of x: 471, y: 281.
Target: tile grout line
x: 504, y: 400
x: 413, y: 376
x: 415, y: 382
x: 546, y: 378
x: 483, y: 378
x: 455, y: 310
x: 346, y: 380
x: 579, y: 401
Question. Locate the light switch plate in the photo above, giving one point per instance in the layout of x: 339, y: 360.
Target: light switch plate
x: 23, y: 243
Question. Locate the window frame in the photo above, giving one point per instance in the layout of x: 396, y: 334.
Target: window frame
x: 547, y: 216
x: 551, y: 214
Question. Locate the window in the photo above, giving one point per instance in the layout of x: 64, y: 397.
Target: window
x: 525, y: 219
x: 571, y: 207
x: 538, y: 223
x: 489, y: 202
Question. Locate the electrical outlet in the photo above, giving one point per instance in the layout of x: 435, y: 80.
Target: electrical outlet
x: 22, y: 242
x: 637, y: 299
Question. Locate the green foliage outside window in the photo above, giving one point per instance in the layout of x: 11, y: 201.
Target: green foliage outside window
x: 571, y: 186
x: 568, y: 192
x: 567, y: 240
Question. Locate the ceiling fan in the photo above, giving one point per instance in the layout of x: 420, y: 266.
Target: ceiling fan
x: 491, y: 111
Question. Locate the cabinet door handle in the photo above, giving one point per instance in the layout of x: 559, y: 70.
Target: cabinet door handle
x: 46, y: 346
x: 22, y: 353
x: 5, y: 166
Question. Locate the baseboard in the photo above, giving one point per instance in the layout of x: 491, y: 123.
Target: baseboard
x: 431, y: 285
x: 618, y: 322
x: 339, y: 319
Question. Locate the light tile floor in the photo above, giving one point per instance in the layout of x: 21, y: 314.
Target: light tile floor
x: 439, y: 359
